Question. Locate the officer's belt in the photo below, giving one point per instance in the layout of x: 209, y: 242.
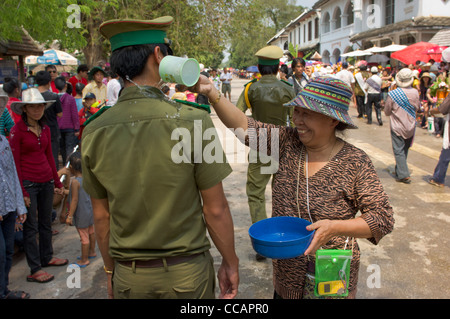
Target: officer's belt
x: 155, y: 263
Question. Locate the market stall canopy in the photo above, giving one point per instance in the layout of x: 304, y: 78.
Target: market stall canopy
x: 414, y: 52
x: 20, y: 48
x: 356, y: 53
x: 442, y: 37
x: 389, y: 48
x: 316, y: 56
x: 53, y: 57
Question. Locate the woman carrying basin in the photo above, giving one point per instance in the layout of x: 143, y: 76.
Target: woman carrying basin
x: 321, y: 178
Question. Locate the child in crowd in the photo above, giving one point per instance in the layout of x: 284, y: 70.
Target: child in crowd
x: 81, y: 214
x: 166, y: 90
x: 179, y: 92
x: 190, y: 96
x: 87, y: 111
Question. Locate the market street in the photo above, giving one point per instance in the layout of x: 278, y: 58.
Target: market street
x: 408, y: 263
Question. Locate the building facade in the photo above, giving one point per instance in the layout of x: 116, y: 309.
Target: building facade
x: 335, y: 27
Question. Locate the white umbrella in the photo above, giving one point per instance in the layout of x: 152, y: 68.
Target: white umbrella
x: 394, y: 48
x: 356, y: 54
x: 54, y: 57
x: 446, y: 55
x: 376, y: 49
x: 31, y: 59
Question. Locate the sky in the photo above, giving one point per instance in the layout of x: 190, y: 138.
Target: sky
x: 306, y: 3
x: 303, y: 3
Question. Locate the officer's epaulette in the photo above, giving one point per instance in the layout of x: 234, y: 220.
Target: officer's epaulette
x: 96, y: 115
x: 286, y: 82
x: 252, y: 81
x: 196, y: 105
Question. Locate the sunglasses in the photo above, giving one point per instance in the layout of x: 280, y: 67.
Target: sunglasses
x: 51, y: 71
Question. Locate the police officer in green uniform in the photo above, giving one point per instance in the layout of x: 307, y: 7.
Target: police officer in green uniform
x: 265, y: 98
x: 154, y: 201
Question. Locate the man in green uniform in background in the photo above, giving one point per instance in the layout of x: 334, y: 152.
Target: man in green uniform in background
x: 152, y: 205
x: 265, y: 98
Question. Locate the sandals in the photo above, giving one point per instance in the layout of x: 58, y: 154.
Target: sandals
x: 17, y: 294
x: 57, y: 262
x: 36, y: 277
x: 406, y: 180
x: 433, y: 182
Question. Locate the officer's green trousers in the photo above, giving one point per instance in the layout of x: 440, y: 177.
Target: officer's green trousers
x: 193, y: 279
x: 256, y: 188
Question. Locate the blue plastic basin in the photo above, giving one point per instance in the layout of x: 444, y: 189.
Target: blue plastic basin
x: 280, y: 237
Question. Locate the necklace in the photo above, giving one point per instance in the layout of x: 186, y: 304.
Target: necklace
x: 305, y: 154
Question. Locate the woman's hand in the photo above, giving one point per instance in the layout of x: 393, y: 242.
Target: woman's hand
x: 59, y: 191
x: 69, y: 220
x: 21, y: 218
x: 325, y: 230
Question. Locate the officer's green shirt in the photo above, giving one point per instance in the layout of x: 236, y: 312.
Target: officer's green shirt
x: 267, y: 97
x: 128, y: 157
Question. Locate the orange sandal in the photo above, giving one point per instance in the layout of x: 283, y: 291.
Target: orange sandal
x: 57, y: 262
x: 36, y: 277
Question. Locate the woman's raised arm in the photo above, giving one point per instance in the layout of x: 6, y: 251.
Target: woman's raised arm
x: 228, y: 113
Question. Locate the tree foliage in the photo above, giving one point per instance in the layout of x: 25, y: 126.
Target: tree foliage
x: 202, y: 29
x: 253, y: 23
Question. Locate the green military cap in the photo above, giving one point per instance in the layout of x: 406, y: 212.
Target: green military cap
x: 269, y: 55
x: 122, y: 33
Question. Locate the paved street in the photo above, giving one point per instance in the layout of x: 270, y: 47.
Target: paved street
x: 412, y: 262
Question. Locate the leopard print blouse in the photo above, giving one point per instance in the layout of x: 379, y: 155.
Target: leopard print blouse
x: 346, y: 185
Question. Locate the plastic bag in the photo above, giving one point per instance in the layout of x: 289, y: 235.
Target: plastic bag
x: 332, y: 273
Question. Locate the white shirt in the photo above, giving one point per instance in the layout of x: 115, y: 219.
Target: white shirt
x: 370, y: 89
x: 112, y: 92
x: 227, y: 77
x: 346, y: 76
x: 216, y: 82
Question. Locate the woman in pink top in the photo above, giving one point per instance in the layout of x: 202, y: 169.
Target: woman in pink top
x: 31, y: 146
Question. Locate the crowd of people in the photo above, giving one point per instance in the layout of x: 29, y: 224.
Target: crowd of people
x: 152, y: 214
x: 42, y: 121
x: 426, y: 84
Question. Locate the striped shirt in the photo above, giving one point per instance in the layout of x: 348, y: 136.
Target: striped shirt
x: 6, y: 123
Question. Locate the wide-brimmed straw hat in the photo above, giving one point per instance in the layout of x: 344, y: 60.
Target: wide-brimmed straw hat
x: 425, y: 75
x: 404, y: 78
x: 30, y: 96
x: 326, y: 95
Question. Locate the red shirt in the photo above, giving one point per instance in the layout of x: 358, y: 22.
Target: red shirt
x: 53, y: 87
x: 73, y: 80
x: 83, y: 115
x: 16, y: 117
x: 33, y: 155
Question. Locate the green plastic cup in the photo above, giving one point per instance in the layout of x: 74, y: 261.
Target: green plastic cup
x: 178, y: 70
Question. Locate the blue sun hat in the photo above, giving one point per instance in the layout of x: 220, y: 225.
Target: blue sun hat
x: 328, y: 96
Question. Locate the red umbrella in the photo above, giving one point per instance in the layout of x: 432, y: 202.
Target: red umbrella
x: 435, y: 53
x: 414, y: 52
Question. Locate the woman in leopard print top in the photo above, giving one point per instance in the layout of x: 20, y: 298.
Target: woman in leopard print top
x: 339, y: 178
